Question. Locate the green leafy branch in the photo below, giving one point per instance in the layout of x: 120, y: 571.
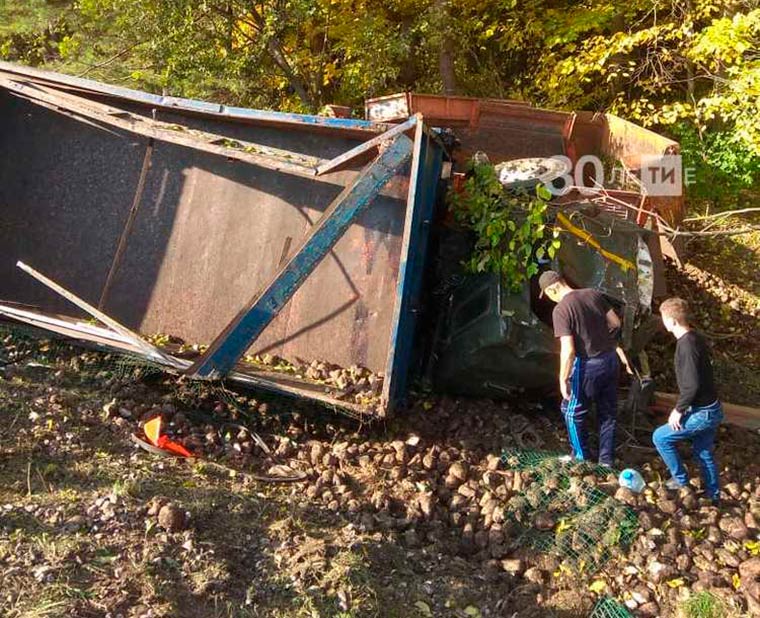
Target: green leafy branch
x: 511, y: 230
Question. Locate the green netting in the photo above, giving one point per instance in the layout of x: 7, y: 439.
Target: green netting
x: 559, y: 509
x: 521, y: 459
x: 126, y: 367
x: 608, y: 607
x: 23, y: 346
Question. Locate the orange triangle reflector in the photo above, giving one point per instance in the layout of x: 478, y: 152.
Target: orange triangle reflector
x: 153, y: 430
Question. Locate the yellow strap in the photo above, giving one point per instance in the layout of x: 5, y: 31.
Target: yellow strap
x: 593, y: 242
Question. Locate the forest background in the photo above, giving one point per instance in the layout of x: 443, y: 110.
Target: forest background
x: 689, y: 69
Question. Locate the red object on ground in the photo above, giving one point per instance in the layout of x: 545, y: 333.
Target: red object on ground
x: 153, y: 433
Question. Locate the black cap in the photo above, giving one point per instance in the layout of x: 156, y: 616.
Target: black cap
x: 548, y: 278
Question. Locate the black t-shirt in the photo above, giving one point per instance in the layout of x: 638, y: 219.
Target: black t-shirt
x: 694, y: 372
x: 583, y: 314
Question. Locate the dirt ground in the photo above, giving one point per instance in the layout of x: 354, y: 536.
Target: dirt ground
x: 410, y: 518
x: 721, y: 280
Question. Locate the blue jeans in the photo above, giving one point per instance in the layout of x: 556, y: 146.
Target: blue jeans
x: 699, y: 425
x: 593, y: 380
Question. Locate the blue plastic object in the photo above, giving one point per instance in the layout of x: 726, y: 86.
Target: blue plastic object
x: 631, y: 479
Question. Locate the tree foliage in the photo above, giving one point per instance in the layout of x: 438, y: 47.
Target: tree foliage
x: 511, y: 231
x: 689, y: 67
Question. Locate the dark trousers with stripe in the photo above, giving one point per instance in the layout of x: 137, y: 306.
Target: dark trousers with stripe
x: 593, y: 380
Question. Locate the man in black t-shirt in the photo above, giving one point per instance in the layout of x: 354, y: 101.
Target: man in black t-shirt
x: 698, y: 411
x: 586, y: 325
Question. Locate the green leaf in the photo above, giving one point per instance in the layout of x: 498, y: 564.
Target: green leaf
x: 543, y: 193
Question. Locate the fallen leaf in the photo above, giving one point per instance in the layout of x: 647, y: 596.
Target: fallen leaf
x: 424, y: 609
x: 597, y: 586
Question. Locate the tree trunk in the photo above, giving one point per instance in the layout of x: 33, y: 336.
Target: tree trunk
x: 274, y: 49
x: 446, y: 66
x: 446, y: 53
x: 298, y: 85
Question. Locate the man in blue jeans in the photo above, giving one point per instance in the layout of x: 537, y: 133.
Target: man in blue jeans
x: 586, y: 325
x: 698, y: 412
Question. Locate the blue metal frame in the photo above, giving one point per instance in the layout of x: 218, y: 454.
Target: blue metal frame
x: 191, y: 105
x: 426, y: 175
x: 240, y: 334
x: 426, y: 154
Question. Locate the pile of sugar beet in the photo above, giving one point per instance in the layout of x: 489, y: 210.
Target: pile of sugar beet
x: 435, y: 480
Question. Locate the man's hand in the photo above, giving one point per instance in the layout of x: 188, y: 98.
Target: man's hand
x: 566, y: 360
x: 675, y: 420
x: 628, y: 368
x: 624, y: 360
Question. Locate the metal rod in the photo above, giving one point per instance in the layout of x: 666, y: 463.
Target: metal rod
x: 128, y: 225
x: 249, y: 152
x: 134, y: 338
x: 366, y: 146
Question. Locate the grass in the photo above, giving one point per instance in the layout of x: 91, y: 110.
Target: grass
x: 704, y: 605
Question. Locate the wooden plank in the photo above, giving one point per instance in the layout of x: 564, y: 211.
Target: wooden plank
x: 743, y: 416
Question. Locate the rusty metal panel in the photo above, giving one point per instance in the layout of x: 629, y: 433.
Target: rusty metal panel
x: 588, y: 133
x: 628, y: 143
x: 231, y: 344
x: 209, y: 234
x: 65, y: 193
x: 506, y: 129
x: 209, y: 231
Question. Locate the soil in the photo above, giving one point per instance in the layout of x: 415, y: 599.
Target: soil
x: 721, y: 280
x: 416, y: 517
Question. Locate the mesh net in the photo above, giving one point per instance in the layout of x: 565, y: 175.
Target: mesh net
x: 23, y: 346
x: 610, y: 608
x: 560, y: 509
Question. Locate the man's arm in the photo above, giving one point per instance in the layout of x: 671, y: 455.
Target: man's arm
x: 613, y: 321
x: 624, y: 360
x: 566, y: 358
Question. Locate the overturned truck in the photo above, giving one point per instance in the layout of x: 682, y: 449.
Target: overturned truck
x: 305, y: 255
